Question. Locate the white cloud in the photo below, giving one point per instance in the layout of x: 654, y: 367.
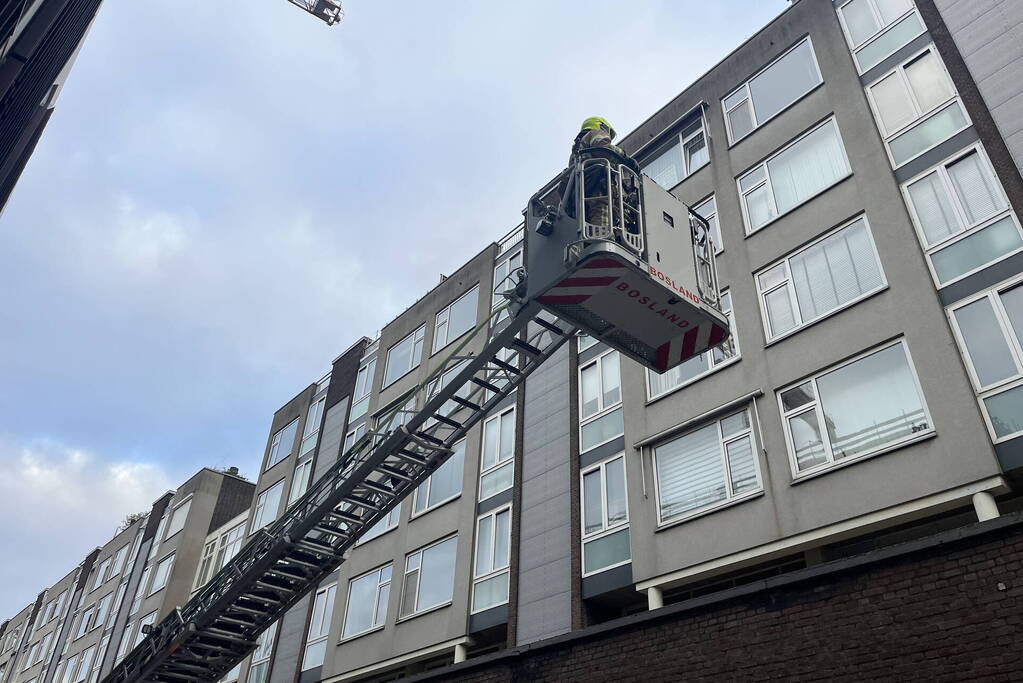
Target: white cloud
x: 58, y: 502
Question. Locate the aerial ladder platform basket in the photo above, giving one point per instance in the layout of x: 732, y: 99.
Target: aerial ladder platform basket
x: 621, y: 258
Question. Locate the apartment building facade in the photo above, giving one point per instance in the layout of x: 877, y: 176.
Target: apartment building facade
x: 863, y: 203
x: 77, y: 629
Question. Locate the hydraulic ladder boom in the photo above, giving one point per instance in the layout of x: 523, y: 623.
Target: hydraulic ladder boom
x: 218, y: 627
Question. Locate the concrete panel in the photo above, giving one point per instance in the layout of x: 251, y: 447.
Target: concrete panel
x: 290, y: 639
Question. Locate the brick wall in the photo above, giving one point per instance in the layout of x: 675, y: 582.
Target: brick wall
x: 946, y: 608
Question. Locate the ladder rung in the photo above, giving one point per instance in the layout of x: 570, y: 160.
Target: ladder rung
x: 410, y: 456
x: 261, y: 598
x: 235, y: 620
x: 316, y: 547
x: 526, y: 346
x: 377, y: 486
x: 468, y: 404
x: 485, y: 384
x: 447, y: 420
x: 179, y: 677
x: 278, y: 571
x: 394, y: 472
x: 248, y: 610
x: 221, y: 634
x: 274, y: 586
x: 506, y: 366
x: 336, y: 531
x: 363, y: 502
x: 429, y: 437
x: 301, y: 563
x: 549, y: 325
x: 346, y: 516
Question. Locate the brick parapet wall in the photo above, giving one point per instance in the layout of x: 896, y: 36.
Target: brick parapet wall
x: 944, y: 608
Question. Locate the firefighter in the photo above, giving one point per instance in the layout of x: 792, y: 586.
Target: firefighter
x: 595, y: 132
x: 594, y: 135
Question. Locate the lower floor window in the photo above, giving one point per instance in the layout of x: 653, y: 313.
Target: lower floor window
x: 259, y: 670
x: 490, y: 578
x: 861, y: 407
x: 319, y: 627
x: 605, y: 516
x: 366, y: 608
x: 429, y: 577
x: 709, y: 466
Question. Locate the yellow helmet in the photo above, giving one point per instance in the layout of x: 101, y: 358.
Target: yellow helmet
x: 595, y: 122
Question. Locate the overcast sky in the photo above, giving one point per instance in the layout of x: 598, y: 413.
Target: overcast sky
x: 230, y: 194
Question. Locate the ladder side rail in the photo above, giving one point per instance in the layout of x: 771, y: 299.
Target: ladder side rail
x: 269, y: 545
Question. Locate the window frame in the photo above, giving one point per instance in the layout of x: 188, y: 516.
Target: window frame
x: 257, y: 511
x: 1014, y: 342
x: 854, y: 48
x: 712, y: 366
x: 275, y: 445
x: 495, y: 572
x: 719, y: 245
x: 503, y: 262
x: 508, y: 462
x: 360, y: 401
x: 264, y: 651
x: 723, y: 441
x: 356, y: 434
x: 603, y: 410
x: 732, y: 141
x: 306, y: 467
x: 922, y: 115
x: 582, y: 344
x: 831, y: 464
x: 207, y: 564
x: 678, y: 140
x: 419, y: 332
x: 419, y: 579
x: 763, y: 165
x: 607, y: 529
x: 311, y: 428
x: 446, y: 313
x: 101, y: 573
x: 329, y: 593
x: 429, y: 485
x: 168, y: 558
x: 787, y: 283
x: 169, y: 532
x: 380, y: 584
x: 968, y: 229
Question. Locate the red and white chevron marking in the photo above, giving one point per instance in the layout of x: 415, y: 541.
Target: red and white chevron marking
x: 599, y: 274
x: 693, y: 342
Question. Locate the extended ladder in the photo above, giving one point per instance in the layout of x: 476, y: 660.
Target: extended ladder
x: 218, y: 627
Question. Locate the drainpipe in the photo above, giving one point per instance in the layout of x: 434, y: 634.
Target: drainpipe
x: 654, y: 598
x: 985, y: 506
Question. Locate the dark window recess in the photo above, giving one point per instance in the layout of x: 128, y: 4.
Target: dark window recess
x: 668, y: 219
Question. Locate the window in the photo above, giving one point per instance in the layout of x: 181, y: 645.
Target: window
x: 363, y: 386
x: 300, y: 482
x: 155, y: 548
x: 682, y: 156
x: 44, y: 617
x: 69, y: 669
x: 207, y: 564
x: 162, y: 573
x: 698, y: 366
x: 267, y: 505
x: 366, y: 606
x: 98, y: 661
x: 85, y: 621
x: 178, y: 518
x: 259, y: 669
x: 832, y: 273
x: 497, y: 465
x: 585, y: 341
x: 233, y: 675
x: 282, y: 443
x: 118, y: 565
x: 989, y: 329
x: 962, y: 216
x: 916, y: 107
x: 779, y: 84
x: 404, y: 356
x: 443, y: 485
x: 102, y: 610
x: 101, y: 573
x: 121, y: 590
x: 122, y: 648
x: 711, y: 466
x: 140, y: 591
x: 456, y: 319
x: 708, y: 210
x: 504, y: 277
x: 449, y: 407
x: 44, y: 645
x: 605, y: 516
x: 797, y: 173
x: 875, y: 29
x: 866, y: 406
x: 230, y: 544
x: 352, y: 437
x: 383, y: 526
x: 59, y: 608
x: 312, y: 426
x: 147, y: 620
x: 600, y: 398
x: 493, y: 543
x: 85, y: 664
x: 319, y: 627
x: 429, y: 577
